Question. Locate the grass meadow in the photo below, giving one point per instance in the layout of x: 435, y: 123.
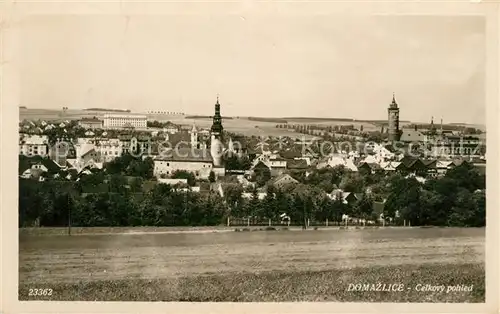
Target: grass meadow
x: 165, y: 264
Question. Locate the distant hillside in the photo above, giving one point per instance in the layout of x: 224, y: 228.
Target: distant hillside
x: 206, y: 117
x: 312, y: 119
x: 106, y: 110
x: 273, y: 120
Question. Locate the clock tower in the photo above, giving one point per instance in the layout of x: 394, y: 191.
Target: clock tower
x: 393, y: 113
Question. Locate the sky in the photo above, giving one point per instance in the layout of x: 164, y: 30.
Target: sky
x: 273, y: 66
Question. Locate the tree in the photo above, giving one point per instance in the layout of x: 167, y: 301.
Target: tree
x: 262, y: 177
x: 182, y: 174
x: 352, y: 182
x: 211, y: 177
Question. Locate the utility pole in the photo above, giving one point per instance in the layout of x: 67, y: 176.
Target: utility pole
x: 69, y: 215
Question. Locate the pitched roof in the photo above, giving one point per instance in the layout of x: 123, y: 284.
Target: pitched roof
x: 285, y: 178
x: 26, y: 162
x: 260, y: 165
x: 174, y: 139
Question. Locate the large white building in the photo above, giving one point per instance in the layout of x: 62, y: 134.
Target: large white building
x: 124, y: 121
x: 197, y: 161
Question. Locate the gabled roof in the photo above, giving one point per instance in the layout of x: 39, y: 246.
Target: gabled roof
x: 260, y: 165
x: 174, y: 139
x: 284, y: 178
x: 25, y: 163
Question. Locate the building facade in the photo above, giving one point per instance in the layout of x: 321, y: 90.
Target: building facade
x: 33, y: 145
x: 91, y: 123
x: 121, y: 121
x: 393, y: 119
x: 196, y: 161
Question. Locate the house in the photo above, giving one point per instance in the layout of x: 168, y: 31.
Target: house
x: 299, y: 164
x: 197, y: 161
x: 91, y: 123
x: 389, y: 165
x: 291, y: 153
x: 109, y: 149
x: 37, y: 167
x: 412, y: 164
x: 412, y: 136
x: 346, y: 197
x: 87, y: 156
x: 369, y: 167
x: 277, y: 165
x: 135, y: 144
x: 260, y: 166
x: 340, y: 160
x: 284, y: 179
x: 33, y: 145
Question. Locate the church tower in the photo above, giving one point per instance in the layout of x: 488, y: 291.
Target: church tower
x: 393, y: 113
x: 194, y: 136
x: 216, y: 146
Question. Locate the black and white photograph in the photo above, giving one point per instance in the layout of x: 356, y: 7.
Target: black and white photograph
x: 252, y: 158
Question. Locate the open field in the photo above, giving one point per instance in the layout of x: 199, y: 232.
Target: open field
x: 254, y: 266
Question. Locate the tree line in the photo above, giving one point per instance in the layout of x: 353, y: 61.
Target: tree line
x: 114, y: 198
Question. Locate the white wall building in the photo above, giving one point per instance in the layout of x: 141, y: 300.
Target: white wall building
x: 197, y: 161
x: 33, y: 145
x: 122, y: 121
x: 110, y: 149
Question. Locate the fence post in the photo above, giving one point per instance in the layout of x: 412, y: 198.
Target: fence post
x: 289, y: 222
x: 308, y: 222
x: 383, y: 222
x: 269, y: 222
x: 228, y: 221
x: 248, y: 221
x: 327, y: 222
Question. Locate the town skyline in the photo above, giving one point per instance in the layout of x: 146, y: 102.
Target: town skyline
x: 260, y: 66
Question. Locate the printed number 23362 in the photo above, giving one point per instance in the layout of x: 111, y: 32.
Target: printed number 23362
x: 40, y: 292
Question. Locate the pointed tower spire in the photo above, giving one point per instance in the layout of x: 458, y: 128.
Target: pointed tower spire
x: 394, y: 104
x: 217, y: 120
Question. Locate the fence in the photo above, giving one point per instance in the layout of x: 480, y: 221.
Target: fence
x: 259, y: 221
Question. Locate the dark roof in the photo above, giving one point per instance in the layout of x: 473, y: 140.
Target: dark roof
x: 128, y: 137
x: 26, y: 162
x: 260, y: 165
x: 186, y: 154
x: 370, y: 165
x: 95, y: 120
x: 429, y: 163
x: 297, y: 164
x: 174, y: 139
x: 291, y: 153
